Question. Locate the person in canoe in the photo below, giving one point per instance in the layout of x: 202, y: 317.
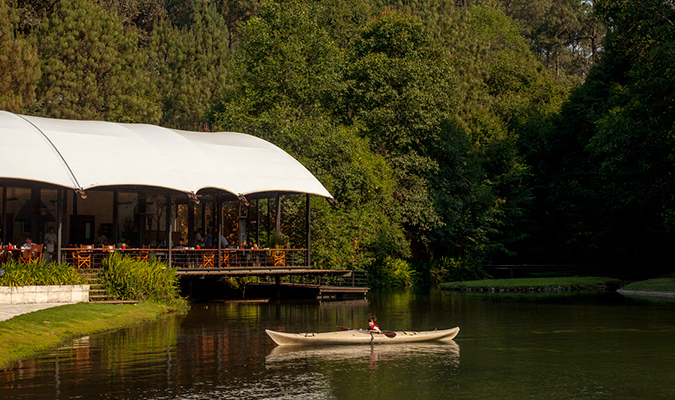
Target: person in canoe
x: 372, y: 324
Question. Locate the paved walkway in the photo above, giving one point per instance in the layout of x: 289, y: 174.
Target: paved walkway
x: 8, y: 311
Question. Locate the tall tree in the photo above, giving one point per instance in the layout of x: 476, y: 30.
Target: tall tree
x: 564, y: 34
x: 287, y: 85
x: 191, y: 67
x: 287, y: 58
x: 606, y: 168
x: 92, y: 67
x: 402, y: 90
x: 635, y: 139
x: 19, y: 70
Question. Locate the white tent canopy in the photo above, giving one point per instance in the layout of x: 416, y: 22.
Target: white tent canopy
x: 82, y: 155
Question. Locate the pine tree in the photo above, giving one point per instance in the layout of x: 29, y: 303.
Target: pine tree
x: 191, y: 67
x: 92, y: 67
x: 19, y: 70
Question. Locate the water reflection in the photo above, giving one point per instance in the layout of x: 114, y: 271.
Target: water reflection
x: 600, y: 347
x: 403, y: 352
x: 354, y: 353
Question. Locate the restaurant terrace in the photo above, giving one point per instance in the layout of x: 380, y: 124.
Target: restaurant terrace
x: 150, y: 191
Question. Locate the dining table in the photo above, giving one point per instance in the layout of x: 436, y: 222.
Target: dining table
x: 8, y: 253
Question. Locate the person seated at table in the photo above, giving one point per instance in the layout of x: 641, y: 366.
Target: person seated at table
x: 102, y: 238
x: 28, y: 244
x: 180, y: 245
x: 208, y: 241
x: 223, y: 242
x: 199, y: 239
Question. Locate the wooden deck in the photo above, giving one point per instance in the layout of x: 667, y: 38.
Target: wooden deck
x: 298, y: 283
x: 307, y: 290
x: 280, y: 273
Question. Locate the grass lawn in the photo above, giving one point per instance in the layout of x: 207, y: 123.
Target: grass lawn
x: 24, y: 335
x: 653, y: 285
x: 565, y: 282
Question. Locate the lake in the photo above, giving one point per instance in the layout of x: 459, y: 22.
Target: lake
x: 511, y: 346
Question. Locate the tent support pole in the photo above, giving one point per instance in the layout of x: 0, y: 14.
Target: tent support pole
x: 169, y: 228
x: 219, y: 225
x: 4, y: 214
x: 191, y: 222
x: 278, y: 224
x: 115, y: 215
x: 36, y: 226
x: 143, y: 220
x: 60, y: 196
x: 309, y: 220
x: 257, y: 222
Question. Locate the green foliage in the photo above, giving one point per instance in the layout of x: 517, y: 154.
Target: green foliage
x: 277, y: 241
x: 653, y: 285
x: 355, y: 238
x: 435, y: 124
x: 446, y: 269
x: 605, y: 165
x: 391, y: 273
x: 400, y: 90
x: 286, y: 58
x: 92, y: 67
x: 190, y: 66
x: 19, y: 69
x: 125, y: 278
x: 565, y: 35
x: 14, y: 273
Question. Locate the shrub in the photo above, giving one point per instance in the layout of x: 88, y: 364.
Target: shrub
x: 447, y: 269
x: 15, y: 273
x: 125, y: 278
x: 391, y: 273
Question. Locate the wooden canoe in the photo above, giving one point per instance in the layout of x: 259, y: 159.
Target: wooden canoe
x: 354, y: 336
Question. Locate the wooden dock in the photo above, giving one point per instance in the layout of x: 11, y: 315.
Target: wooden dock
x: 291, y: 282
x: 289, y: 290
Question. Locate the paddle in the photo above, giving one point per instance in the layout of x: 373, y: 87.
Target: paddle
x: 389, y: 334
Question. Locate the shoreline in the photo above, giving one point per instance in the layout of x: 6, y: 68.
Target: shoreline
x: 645, y: 293
x: 27, y: 334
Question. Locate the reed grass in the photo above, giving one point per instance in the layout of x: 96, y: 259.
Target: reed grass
x: 15, y: 273
x: 125, y: 278
x: 26, y: 335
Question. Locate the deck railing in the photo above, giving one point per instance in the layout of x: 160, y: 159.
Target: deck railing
x: 85, y: 258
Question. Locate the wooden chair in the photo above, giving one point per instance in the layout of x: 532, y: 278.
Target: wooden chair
x: 36, y: 252
x: 224, y: 258
x: 143, y: 254
x: 25, y: 255
x: 208, y: 259
x: 83, y: 256
x: 279, y: 257
x: 31, y: 255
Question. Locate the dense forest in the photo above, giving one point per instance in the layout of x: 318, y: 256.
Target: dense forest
x: 451, y: 133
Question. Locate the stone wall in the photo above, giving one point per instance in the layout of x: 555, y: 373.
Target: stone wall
x: 44, y: 294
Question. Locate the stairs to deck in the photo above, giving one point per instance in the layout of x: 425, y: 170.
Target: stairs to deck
x: 96, y: 291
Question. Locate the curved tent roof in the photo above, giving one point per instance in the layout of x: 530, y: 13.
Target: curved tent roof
x: 87, y: 154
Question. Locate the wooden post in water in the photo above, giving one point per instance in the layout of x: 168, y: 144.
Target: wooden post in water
x: 277, y: 285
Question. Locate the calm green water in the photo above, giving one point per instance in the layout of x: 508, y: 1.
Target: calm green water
x: 509, y: 347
